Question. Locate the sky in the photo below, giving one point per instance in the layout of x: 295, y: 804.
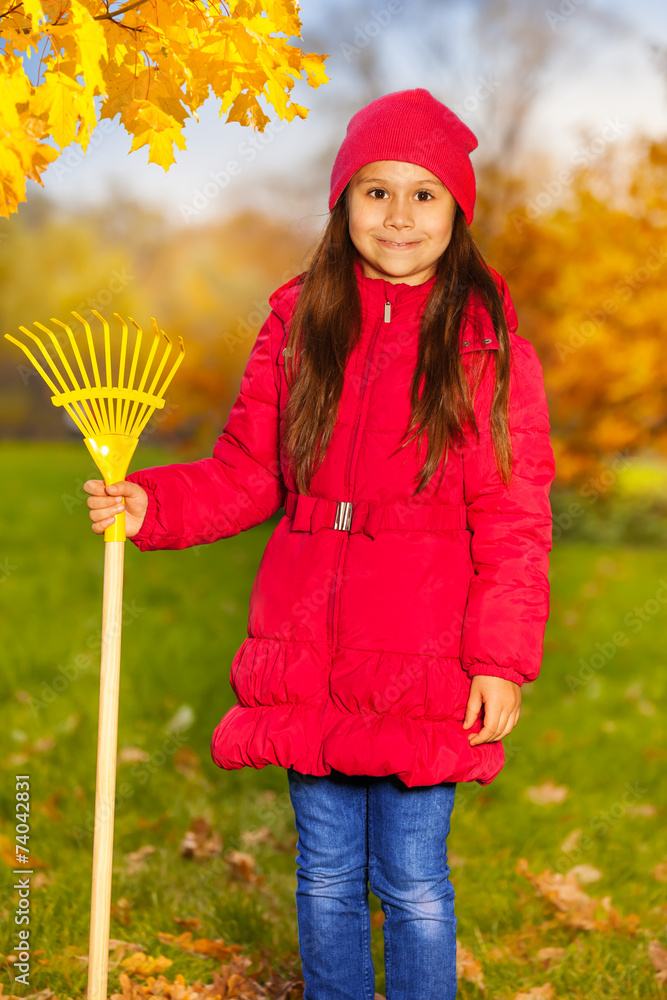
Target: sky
x: 603, y: 81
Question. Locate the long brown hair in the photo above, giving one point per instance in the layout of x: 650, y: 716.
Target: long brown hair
x: 327, y: 323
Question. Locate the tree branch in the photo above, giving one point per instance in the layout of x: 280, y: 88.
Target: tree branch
x: 109, y: 16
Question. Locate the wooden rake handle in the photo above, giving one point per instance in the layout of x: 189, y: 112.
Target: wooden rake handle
x: 105, y: 788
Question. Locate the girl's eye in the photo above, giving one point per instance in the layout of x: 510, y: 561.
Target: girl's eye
x: 373, y: 190
x: 423, y: 191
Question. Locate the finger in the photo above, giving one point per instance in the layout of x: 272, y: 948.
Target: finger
x: 95, y: 502
x: 124, y: 489
x: 95, y: 487
x: 507, y: 729
x: 473, y: 707
x: 105, y: 514
x: 100, y: 526
x: 491, y: 728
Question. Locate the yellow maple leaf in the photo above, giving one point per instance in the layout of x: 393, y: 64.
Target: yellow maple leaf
x: 160, y: 145
x: 140, y: 964
x: 313, y: 65
x: 60, y: 97
x: 33, y: 10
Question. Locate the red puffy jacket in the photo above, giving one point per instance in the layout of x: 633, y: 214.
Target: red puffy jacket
x: 371, y: 611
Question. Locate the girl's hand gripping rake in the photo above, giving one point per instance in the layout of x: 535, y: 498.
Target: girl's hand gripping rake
x: 111, y: 417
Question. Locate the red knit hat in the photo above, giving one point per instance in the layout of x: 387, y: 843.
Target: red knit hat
x: 410, y: 125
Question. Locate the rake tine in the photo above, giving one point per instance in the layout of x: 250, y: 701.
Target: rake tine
x: 142, y: 418
x: 165, y: 384
x: 133, y: 366
x: 174, y: 369
x: 132, y: 415
x: 79, y: 417
x: 96, y: 371
x: 56, y: 371
x: 107, y: 362
x: 61, y: 354
x: 31, y: 357
x: 95, y: 418
x: 163, y: 361
x: 123, y: 404
x: 149, y: 362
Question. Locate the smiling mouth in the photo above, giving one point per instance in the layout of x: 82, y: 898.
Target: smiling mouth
x: 399, y: 246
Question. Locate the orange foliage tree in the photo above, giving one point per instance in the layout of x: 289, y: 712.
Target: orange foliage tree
x: 588, y: 279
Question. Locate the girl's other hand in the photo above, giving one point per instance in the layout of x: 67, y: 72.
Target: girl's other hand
x: 104, y: 503
x: 501, y: 700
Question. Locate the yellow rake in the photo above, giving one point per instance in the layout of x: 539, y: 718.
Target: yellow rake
x: 111, y: 417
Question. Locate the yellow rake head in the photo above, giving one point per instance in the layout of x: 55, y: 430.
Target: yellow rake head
x: 110, y: 416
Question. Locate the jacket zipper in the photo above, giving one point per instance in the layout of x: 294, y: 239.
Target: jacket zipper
x: 353, y: 441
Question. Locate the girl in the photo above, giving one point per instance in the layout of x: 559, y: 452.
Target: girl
x: 400, y: 603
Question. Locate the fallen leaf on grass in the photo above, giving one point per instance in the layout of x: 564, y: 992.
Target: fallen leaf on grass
x: 262, y: 836
x: 468, y: 967
x: 121, y: 910
x: 136, y: 861
x: 43, y: 744
x: 571, y: 842
x: 117, y: 948
x: 551, y: 955
x: 120, y: 948
x: 660, y: 871
x: 545, y: 992
x: 496, y: 954
x: 574, y: 906
x: 241, y: 866
x: 192, y: 922
x: 642, y: 809
x: 49, y: 807
x: 547, y: 793
x: 229, y: 983
x: 201, y: 841
x: 143, y: 965
x: 16, y: 760
x: 658, y: 956
x: 216, y: 949
x: 187, y: 763
x: 585, y: 874
x: 43, y: 995
x: 132, y: 755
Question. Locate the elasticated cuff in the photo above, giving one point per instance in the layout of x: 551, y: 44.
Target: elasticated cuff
x: 493, y: 670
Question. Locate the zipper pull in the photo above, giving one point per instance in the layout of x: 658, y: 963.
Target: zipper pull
x: 387, y: 312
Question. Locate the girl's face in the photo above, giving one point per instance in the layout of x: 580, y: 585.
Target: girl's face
x: 400, y: 219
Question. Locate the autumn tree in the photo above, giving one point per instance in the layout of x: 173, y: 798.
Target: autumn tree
x: 152, y: 62
x: 587, y: 274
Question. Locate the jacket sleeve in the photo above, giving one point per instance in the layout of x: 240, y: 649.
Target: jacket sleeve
x: 241, y: 485
x: 508, y: 600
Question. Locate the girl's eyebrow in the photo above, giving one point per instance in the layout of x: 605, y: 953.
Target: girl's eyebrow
x: 383, y: 180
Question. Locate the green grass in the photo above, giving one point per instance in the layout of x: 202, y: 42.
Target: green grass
x: 186, y: 616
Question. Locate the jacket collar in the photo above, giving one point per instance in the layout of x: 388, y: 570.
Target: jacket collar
x: 380, y: 290
x: 477, y: 331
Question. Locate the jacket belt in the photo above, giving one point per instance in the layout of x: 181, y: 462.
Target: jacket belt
x: 312, y: 513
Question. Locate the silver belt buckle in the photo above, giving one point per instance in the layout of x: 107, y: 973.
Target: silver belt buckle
x: 343, y: 518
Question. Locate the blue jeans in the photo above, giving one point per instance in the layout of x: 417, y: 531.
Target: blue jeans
x: 359, y: 829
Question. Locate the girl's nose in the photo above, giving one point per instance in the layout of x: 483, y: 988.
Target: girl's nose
x: 399, y: 214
